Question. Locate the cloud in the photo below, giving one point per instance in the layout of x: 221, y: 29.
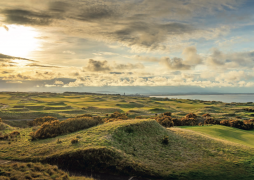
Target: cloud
x: 233, y: 76
x: 5, y: 27
x: 145, y: 58
x: 236, y: 60
x: 59, y: 6
x: 69, y: 52
x: 94, y: 65
x: 26, y: 17
x: 104, y: 66
x: 6, y: 72
x: 14, y: 82
x: 128, y: 66
x: 105, y: 54
x: 191, y: 57
x: 174, y: 64
x: 96, y: 12
x: 141, y: 25
x: 59, y: 82
x: 4, y: 57
x: 42, y: 66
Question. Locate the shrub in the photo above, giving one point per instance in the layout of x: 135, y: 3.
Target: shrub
x: 10, y: 135
x: 200, y: 124
x: 41, y: 120
x: 191, y: 115
x: 165, y: 140
x: 206, y: 115
x: 138, y: 117
x: 165, y: 121
x: 167, y: 114
x: 116, y: 116
x: 189, y: 121
x: 246, y: 125
x: 14, y: 134
x: 56, y: 128
x: 74, y: 141
x: 211, y: 121
x: 84, y: 115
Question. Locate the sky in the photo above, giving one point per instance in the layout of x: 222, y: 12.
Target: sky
x: 138, y: 46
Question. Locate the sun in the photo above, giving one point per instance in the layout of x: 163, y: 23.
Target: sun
x: 18, y: 40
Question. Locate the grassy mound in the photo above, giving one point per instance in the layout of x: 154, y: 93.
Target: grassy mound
x: 4, y: 126
x: 135, y: 147
x: 21, y: 171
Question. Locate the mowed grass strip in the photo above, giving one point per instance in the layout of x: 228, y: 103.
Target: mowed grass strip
x: 231, y: 134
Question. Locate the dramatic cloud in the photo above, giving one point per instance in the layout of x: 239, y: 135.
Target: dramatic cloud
x: 97, y: 66
x: 235, y: 60
x: 4, y: 57
x: 25, y: 17
x: 157, y: 25
x: 191, y: 59
x: 102, y: 66
x: 127, y: 43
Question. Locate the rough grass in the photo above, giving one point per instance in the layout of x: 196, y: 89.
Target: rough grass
x: 135, y: 147
x: 21, y: 171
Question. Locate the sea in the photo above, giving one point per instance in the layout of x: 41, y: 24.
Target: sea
x: 227, y: 98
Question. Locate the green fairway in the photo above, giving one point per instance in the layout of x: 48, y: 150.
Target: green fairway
x: 62, y: 105
x: 226, y: 133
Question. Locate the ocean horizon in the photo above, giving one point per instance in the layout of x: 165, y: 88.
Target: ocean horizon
x: 227, y: 98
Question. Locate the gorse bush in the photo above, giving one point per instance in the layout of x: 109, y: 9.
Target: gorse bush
x: 116, y: 116
x: 41, y: 120
x: 11, y: 135
x: 188, y: 122
x: 206, y: 115
x: 138, y: 117
x: 211, y: 121
x: 167, y: 114
x: 74, y: 141
x: 84, y: 115
x: 168, y: 121
x: 246, y: 125
x: 191, y: 115
x: 56, y: 128
x: 165, y: 121
x: 14, y: 133
x: 165, y: 140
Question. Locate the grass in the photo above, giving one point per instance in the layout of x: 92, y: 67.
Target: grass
x: 20, y: 171
x: 135, y: 147
x: 40, y: 104
x: 231, y: 134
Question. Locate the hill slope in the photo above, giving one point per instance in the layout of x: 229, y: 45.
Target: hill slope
x: 135, y: 147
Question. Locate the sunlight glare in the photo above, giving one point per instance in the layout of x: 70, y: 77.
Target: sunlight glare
x: 19, y: 41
